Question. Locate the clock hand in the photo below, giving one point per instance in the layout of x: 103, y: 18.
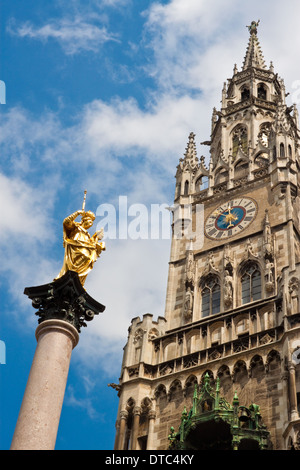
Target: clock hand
x: 230, y: 217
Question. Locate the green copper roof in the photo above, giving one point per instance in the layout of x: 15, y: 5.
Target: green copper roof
x: 214, y: 423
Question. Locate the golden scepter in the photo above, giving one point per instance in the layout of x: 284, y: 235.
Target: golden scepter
x: 84, y: 198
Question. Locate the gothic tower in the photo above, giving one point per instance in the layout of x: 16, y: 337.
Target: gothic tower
x: 232, y: 317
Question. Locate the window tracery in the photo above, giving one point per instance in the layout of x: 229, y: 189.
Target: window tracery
x: 251, y: 283
x: 264, y: 134
x: 211, y: 296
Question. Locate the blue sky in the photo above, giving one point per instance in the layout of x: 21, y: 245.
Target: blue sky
x: 102, y: 95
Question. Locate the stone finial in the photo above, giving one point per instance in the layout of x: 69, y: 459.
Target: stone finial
x: 190, y: 156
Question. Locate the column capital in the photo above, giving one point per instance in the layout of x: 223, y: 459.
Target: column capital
x: 64, y: 299
x: 137, y: 410
x: 152, y: 414
x: 124, y: 414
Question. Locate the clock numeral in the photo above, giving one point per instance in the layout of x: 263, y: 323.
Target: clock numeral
x: 212, y: 232
x: 247, y: 219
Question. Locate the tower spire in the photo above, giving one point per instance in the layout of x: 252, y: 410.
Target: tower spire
x: 254, y: 56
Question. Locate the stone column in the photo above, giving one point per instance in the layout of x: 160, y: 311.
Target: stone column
x: 150, y: 440
x: 135, y: 428
x: 42, y: 402
x: 117, y: 435
x: 63, y: 307
x: 122, y: 429
x: 293, y: 393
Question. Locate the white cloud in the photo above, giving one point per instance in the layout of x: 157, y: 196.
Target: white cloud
x: 74, y: 35
x: 26, y: 235
x: 22, y: 211
x: 121, y: 127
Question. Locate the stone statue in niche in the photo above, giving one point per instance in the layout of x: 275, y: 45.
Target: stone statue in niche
x: 188, y: 305
x: 293, y: 296
x: 210, y: 264
x: 228, y: 289
x: 269, y: 275
x: 250, y: 250
x: 190, y: 267
x: 268, y: 248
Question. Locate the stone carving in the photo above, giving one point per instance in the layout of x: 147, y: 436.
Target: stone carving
x: 253, y: 27
x: 269, y: 275
x: 188, y: 305
x: 267, y: 243
x: 250, y: 250
x: 166, y: 369
x: 210, y: 264
x: 153, y: 333
x: 293, y: 296
x: 228, y: 289
x: 190, y: 267
x: 138, y: 336
x: 64, y: 299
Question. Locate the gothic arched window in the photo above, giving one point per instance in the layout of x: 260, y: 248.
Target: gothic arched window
x: 202, y: 183
x: 245, y: 93
x: 264, y: 133
x: 186, y: 188
x: 239, y: 139
x: 211, y: 296
x: 261, y: 92
x: 282, y: 151
x: 251, y: 283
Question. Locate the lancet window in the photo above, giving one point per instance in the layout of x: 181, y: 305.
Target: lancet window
x: 202, y: 183
x: 251, y: 283
x: 211, y: 296
x: 186, y: 188
x: 245, y: 93
x: 261, y: 92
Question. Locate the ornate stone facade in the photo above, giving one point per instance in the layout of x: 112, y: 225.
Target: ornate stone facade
x: 232, y: 304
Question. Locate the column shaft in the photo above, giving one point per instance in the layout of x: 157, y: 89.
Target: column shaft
x: 40, y: 411
x: 150, y: 440
x: 293, y: 393
x: 122, y: 429
x: 135, y: 429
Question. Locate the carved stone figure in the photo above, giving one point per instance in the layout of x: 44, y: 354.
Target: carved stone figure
x: 188, y: 305
x: 228, y: 289
x: 253, y: 27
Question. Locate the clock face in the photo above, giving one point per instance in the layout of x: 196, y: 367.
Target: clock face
x: 230, y: 218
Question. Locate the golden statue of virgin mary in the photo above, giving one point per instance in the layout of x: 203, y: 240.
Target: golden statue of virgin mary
x: 81, y: 249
